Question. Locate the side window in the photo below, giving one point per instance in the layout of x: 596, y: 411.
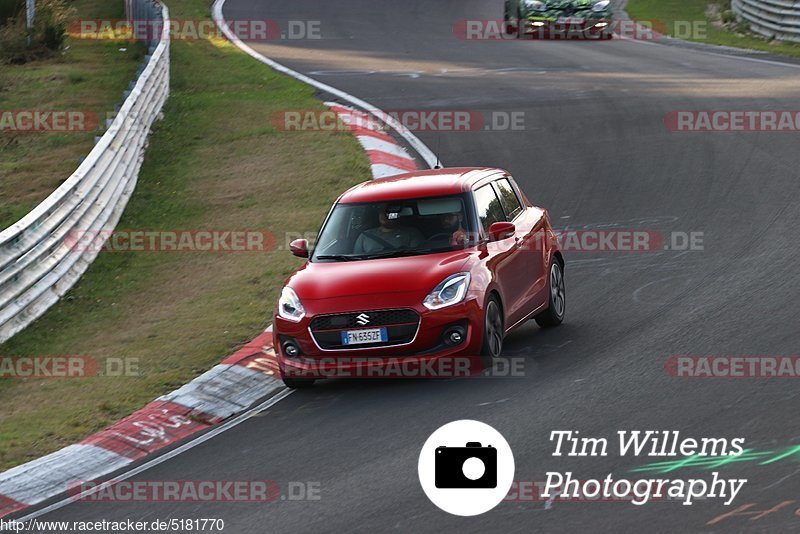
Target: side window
x: 508, y: 198
x: 488, y: 206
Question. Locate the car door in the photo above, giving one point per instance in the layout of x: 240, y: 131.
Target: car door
x: 506, y: 257
x: 530, y: 232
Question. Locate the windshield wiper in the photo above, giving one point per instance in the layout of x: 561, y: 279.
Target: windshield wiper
x: 379, y: 255
x: 338, y: 257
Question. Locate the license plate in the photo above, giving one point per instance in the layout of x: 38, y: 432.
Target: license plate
x: 569, y: 20
x: 359, y: 337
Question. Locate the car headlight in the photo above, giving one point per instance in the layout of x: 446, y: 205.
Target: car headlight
x: 289, y: 305
x: 451, y: 291
x: 535, y: 5
x: 602, y: 5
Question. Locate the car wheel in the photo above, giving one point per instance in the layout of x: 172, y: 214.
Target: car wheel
x: 554, y: 314
x: 298, y: 383
x: 492, y: 331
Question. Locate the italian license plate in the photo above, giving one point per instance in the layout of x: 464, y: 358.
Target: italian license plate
x: 570, y: 20
x: 359, y: 337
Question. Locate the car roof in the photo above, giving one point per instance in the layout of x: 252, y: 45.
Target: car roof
x: 428, y: 183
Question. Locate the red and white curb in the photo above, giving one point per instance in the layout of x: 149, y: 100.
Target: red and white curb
x: 227, y: 389
x: 386, y: 156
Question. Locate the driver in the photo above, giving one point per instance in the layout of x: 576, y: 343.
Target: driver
x: 452, y: 225
x: 390, y: 235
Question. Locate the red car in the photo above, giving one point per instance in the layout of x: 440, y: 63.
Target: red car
x: 418, y: 267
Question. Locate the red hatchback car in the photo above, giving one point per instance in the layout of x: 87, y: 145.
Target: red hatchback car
x: 418, y: 267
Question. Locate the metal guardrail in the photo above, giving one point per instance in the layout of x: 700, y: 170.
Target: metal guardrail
x: 779, y: 19
x: 39, y: 261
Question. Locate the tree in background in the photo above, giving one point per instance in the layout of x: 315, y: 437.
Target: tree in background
x: 9, y: 9
x: 20, y: 44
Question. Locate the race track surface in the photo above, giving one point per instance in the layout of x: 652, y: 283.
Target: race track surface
x: 596, y: 153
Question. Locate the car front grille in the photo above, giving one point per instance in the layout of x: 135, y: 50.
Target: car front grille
x: 401, y: 327
x: 366, y: 319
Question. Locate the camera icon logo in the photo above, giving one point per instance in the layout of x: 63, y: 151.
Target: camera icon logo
x: 472, y: 466
x: 466, y: 467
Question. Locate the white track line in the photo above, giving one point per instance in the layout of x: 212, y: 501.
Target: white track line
x: 215, y: 430
x: 425, y: 152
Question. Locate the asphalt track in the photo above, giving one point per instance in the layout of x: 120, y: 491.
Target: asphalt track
x: 596, y: 153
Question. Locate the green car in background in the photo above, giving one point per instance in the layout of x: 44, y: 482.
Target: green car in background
x: 559, y: 18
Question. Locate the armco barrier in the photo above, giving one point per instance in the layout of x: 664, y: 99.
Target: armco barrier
x: 219, y: 398
x: 37, y: 262
x: 779, y: 19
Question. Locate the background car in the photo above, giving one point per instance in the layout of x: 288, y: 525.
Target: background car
x: 559, y: 18
x: 417, y: 267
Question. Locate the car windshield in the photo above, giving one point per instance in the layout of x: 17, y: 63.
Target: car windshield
x: 406, y: 227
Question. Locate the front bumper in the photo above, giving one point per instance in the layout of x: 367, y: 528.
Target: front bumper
x: 407, y: 359
x: 563, y: 25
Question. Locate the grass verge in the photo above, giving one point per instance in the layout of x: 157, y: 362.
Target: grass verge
x: 89, y: 76
x: 214, y: 162
x: 706, y: 17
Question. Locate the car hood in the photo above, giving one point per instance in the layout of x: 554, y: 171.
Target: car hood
x: 324, y: 280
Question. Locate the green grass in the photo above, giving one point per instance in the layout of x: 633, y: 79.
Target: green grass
x: 90, y: 76
x: 214, y: 162
x: 670, y: 11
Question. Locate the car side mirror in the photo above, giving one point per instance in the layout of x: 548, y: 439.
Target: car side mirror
x: 299, y: 248
x: 501, y: 230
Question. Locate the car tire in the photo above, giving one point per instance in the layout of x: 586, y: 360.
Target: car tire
x: 492, y: 331
x: 554, y: 314
x: 298, y: 383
